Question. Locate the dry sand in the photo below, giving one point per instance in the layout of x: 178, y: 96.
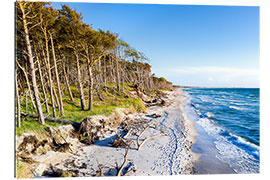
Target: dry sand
x: 163, y: 155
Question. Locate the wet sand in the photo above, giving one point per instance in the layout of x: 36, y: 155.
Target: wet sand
x: 205, y: 148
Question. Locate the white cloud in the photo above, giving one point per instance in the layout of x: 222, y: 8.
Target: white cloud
x: 213, y: 69
x: 212, y: 76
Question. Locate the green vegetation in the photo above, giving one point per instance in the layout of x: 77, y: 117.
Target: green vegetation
x: 73, y: 111
x: 23, y: 170
x: 66, y: 69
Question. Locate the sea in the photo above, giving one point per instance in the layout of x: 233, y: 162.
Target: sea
x: 228, y: 121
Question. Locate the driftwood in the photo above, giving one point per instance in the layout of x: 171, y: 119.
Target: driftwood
x: 100, y: 166
x: 119, y: 173
x: 155, y: 102
x: 119, y: 142
x: 52, y: 119
x: 148, y: 138
x: 139, y: 145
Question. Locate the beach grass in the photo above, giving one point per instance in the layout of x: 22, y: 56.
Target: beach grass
x: 73, y: 111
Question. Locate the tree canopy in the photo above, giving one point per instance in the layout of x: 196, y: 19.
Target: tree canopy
x: 61, y: 58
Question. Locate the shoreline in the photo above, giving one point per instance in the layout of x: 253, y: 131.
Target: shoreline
x: 204, y: 147
x: 220, y: 150
x: 164, y: 155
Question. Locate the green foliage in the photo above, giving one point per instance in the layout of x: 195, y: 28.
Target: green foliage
x: 162, y: 79
x: 30, y: 124
x: 136, y: 104
x: 77, y: 48
x: 73, y: 111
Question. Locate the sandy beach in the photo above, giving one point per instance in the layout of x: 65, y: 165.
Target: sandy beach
x: 163, y: 155
x: 168, y: 150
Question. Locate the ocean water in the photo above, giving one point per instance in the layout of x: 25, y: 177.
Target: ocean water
x: 230, y: 118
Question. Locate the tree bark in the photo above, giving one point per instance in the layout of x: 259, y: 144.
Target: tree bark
x: 56, y: 97
x: 26, y: 104
x: 123, y: 76
x: 117, y: 74
x: 112, y: 71
x: 79, y: 81
x: 67, y: 82
x: 61, y: 108
x: 43, y: 87
x: 90, y: 85
x: 32, y: 67
x: 49, y: 73
x: 105, y: 74
x: 18, y: 101
x: 28, y: 84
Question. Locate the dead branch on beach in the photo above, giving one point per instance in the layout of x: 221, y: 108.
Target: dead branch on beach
x: 119, y: 141
x: 139, y: 145
x: 148, y: 138
x: 119, y: 173
x: 100, y: 167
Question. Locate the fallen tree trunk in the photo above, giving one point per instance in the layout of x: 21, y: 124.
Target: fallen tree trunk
x: 52, y: 119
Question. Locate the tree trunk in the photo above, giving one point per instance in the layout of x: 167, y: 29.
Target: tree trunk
x: 112, y: 71
x: 123, y: 77
x: 99, y: 74
x: 104, y: 74
x: 26, y: 103
x: 61, y: 108
x: 56, y: 97
x: 67, y: 82
x: 28, y: 84
x: 80, y: 82
x: 18, y: 101
x: 90, y: 86
x: 43, y: 87
x: 117, y: 74
x: 48, y: 65
x: 32, y: 67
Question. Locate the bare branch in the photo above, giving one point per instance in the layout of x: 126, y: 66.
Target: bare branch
x: 34, y: 26
x: 148, y: 138
x: 33, y: 16
x: 119, y: 173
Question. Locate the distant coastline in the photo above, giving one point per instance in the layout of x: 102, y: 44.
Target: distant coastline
x: 204, y: 87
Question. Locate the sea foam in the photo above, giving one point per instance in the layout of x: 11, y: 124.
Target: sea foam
x: 232, y: 121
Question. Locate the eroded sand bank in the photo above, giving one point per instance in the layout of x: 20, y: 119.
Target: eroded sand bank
x: 163, y: 155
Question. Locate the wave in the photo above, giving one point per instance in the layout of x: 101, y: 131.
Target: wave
x: 237, y: 108
x: 209, y: 114
x: 240, y: 155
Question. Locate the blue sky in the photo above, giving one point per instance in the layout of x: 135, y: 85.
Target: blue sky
x: 187, y: 44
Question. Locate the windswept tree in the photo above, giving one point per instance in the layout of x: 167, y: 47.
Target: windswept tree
x: 95, y: 45
x: 60, y: 57
x: 71, y: 28
x: 26, y: 14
